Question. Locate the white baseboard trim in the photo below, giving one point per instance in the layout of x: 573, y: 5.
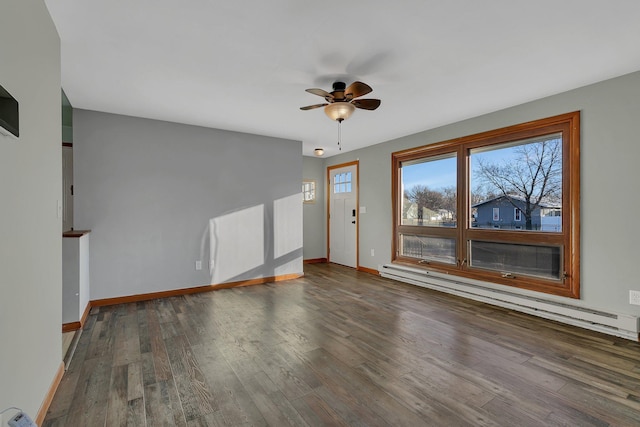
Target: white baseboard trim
x: 621, y: 325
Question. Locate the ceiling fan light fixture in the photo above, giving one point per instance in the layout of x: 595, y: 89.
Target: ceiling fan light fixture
x: 318, y: 152
x: 339, y: 110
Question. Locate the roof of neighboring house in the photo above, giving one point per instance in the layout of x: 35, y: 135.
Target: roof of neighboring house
x: 520, y: 199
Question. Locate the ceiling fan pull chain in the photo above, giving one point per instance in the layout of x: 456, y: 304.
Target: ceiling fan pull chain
x: 339, y: 135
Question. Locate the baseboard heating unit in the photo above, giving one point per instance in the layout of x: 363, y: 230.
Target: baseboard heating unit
x: 621, y: 325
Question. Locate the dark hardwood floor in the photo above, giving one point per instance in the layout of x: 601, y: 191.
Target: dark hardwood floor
x: 340, y: 347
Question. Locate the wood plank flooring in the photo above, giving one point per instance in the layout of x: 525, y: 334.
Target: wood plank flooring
x: 341, y: 347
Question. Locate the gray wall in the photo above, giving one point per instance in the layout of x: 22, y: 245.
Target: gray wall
x: 30, y: 229
x: 315, y: 225
x: 147, y: 189
x: 610, y: 149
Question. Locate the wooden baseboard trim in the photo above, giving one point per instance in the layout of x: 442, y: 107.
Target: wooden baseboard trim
x: 49, y: 397
x: 71, y: 326
x: 315, y: 261
x: 87, y: 310
x: 187, y: 291
x: 368, y: 270
x: 74, y: 326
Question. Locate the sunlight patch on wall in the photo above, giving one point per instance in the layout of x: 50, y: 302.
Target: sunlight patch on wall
x: 287, y: 225
x: 237, y: 243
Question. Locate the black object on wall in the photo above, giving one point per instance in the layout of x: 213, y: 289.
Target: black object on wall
x: 9, y: 115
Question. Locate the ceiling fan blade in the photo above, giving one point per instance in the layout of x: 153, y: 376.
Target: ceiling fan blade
x: 366, y: 104
x: 320, y: 92
x: 357, y: 89
x: 311, y: 107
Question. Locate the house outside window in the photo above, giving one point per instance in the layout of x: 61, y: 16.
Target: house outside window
x: 501, y: 206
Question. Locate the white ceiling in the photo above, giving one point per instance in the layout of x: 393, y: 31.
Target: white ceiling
x: 244, y: 65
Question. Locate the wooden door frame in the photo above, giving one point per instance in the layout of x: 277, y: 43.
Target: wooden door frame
x: 355, y: 163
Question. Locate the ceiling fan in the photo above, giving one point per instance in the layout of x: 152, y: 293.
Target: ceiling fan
x: 342, y: 102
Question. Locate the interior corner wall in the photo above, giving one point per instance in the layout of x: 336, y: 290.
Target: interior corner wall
x: 315, y: 223
x: 609, y: 171
x: 148, y: 190
x: 30, y: 229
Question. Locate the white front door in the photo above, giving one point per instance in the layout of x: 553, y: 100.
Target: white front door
x: 343, y: 215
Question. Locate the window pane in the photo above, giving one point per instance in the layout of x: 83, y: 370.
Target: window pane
x: 524, y: 176
x: 308, y: 191
x: 532, y: 260
x: 429, y: 191
x: 429, y: 248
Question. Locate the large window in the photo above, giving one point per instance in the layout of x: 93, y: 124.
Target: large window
x: 501, y: 206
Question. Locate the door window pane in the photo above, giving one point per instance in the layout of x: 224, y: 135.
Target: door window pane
x: 429, y: 191
x: 342, y: 182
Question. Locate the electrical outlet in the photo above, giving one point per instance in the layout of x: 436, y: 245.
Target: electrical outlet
x: 634, y: 297
x: 198, y: 265
x: 373, y: 252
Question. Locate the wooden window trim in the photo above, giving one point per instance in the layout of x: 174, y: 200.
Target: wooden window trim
x: 568, y: 239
